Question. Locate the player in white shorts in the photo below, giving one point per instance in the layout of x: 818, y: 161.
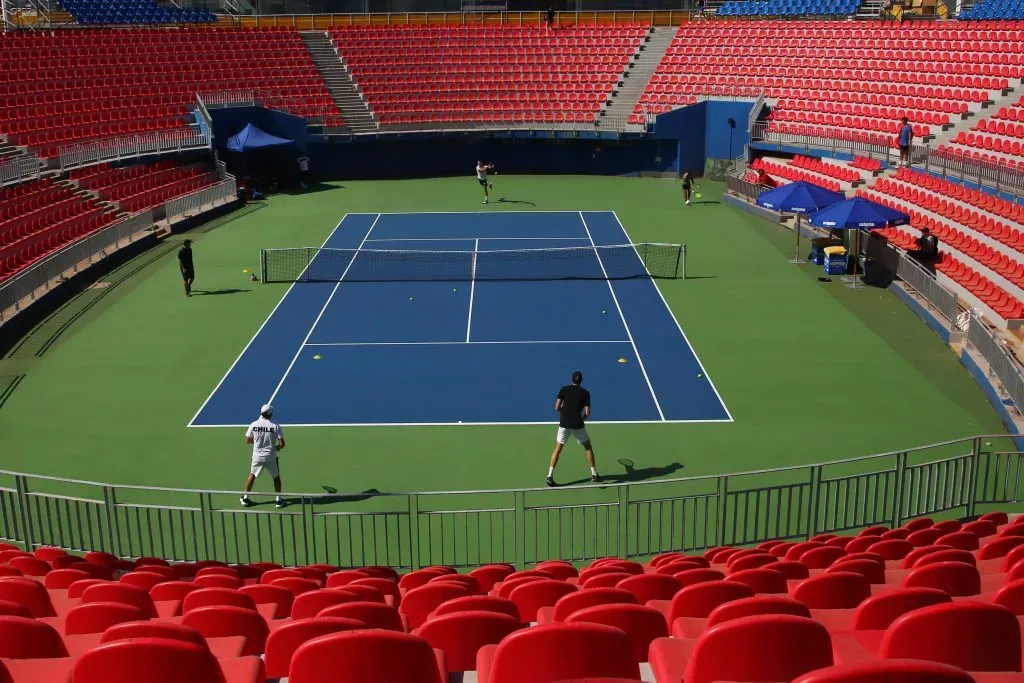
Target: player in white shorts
x: 573, y: 407
x: 481, y: 176
x: 267, y: 438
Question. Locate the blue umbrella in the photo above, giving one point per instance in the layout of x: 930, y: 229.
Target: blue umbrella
x: 857, y: 214
x: 800, y: 197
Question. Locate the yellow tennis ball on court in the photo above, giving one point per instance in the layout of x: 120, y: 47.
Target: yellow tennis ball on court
x: 699, y: 375
x: 317, y: 357
x: 245, y: 270
x: 411, y: 298
x: 622, y: 360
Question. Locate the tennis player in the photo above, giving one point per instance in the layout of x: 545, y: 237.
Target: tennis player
x: 267, y: 438
x: 687, y: 185
x: 188, y: 270
x: 481, y: 176
x: 573, y: 407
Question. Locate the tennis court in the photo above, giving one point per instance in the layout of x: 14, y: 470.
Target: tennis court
x: 467, y: 318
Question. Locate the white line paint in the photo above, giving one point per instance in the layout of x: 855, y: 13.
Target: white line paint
x: 467, y: 424
x: 615, y: 299
x: 681, y: 332
x: 470, y: 239
x: 321, y: 313
x: 472, y: 290
x: 463, y: 213
x: 473, y: 343
x: 267, y: 320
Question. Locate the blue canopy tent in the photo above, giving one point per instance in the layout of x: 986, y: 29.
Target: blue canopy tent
x: 251, y: 137
x: 857, y: 214
x: 800, y: 197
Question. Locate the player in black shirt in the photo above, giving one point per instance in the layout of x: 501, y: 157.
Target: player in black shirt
x: 188, y: 271
x: 573, y: 406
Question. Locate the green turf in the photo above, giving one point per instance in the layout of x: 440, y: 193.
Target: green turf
x: 810, y: 371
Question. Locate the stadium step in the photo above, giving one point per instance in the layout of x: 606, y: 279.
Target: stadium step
x: 354, y: 110
x: 623, y: 98
x: 977, y: 112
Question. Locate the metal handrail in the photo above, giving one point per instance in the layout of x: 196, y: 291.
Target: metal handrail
x: 50, y: 272
x: 18, y: 168
x: 112, y: 149
x: 320, y: 21
x: 464, y: 528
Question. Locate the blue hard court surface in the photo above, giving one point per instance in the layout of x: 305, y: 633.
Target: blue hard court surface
x: 483, y: 352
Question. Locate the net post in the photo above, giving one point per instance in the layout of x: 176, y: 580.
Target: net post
x: 681, y: 262
x: 309, y: 262
x: 263, y: 266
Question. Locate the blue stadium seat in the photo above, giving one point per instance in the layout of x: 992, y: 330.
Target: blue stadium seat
x: 133, y: 12
x: 748, y: 8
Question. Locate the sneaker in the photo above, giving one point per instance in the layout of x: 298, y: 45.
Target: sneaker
x: 279, y: 502
x: 245, y: 501
x: 596, y: 478
x: 485, y: 201
x: 550, y: 481
x: 687, y: 202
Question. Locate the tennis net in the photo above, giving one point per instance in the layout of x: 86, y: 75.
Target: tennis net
x: 612, y: 262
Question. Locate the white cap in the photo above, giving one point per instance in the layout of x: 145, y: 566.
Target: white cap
x: 267, y: 409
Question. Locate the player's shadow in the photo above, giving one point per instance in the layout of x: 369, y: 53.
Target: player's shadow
x: 332, y: 496
x: 506, y: 200
x: 706, y: 201
x: 216, y: 292
x: 632, y: 474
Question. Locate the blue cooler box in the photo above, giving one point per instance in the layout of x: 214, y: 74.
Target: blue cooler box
x: 835, y: 264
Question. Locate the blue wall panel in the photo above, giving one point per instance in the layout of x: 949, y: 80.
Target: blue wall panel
x: 721, y: 140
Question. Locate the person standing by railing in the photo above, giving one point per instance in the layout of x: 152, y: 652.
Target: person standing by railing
x: 573, y: 408
x: 906, y: 138
x: 266, y: 438
x: 185, y: 263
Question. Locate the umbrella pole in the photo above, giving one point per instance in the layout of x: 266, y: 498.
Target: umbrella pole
x: 796, y: 255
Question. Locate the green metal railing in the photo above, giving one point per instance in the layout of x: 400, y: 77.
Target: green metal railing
x: 467, y: 528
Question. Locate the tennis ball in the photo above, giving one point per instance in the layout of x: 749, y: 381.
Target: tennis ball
x: 410, y: 298
x: 988, y: 443
x: 604, y: 312
x: 455, y: 289
x: 622, y: 360
x: 317, y: 357
x: 460, y: 421
x: 245, y: 270
x: 699, y: 375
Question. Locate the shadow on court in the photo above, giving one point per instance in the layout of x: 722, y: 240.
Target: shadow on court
x: 334, y: 497
x: 704, y: 201
x: 632, y: 474
x: 216, y: 292
x: 505, y: 200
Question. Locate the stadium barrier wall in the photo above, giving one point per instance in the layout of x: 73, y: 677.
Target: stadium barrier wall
x: 311, y: 21
x: 392, y: 157
x: 525, y: 526
x: 50, y: 272
x: 197, y: 202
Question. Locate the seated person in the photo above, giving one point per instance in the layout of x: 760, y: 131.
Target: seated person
x: 927, y: 252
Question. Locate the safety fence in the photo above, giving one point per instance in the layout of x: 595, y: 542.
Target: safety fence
x: 466, y: 528
x: 995, y: 174
x: 113, y: 149
x: 197, y: 202
x: 50, y: 272
x: 17, y: 168
x: 925, y: 284
x: 1002, y: 365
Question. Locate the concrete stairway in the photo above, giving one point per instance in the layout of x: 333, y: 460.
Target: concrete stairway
x: 623, y: 98
x: 29, y: 164
x: 976, y: 112
x: 357, y: 115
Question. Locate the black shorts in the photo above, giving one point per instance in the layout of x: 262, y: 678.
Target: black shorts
x: 482, y: 182
x: 686, y: 186
x: 188, y: 274
x: 904, y: 148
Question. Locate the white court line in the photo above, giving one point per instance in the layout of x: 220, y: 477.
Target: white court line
x: 469, y: 239
x: 466, y: 424
x: 680, y: 327
x: 267, y: 320
x: 615, y: 299
x: 462, y: 213
x: 472, y: 290
x: 322, y: 310
x: 463, y: 343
